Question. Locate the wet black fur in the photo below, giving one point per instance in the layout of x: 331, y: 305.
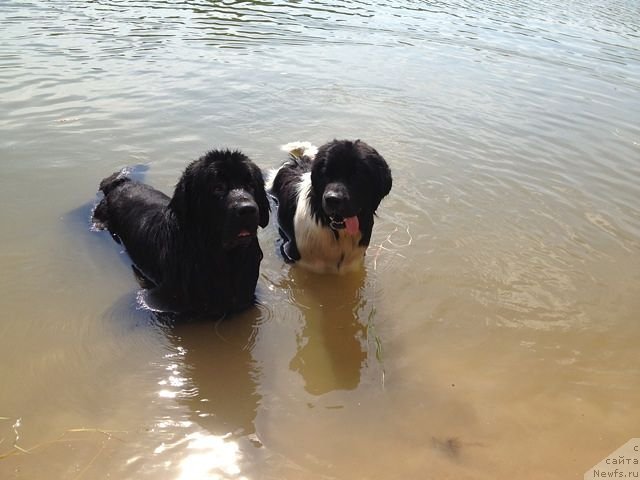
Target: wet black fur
x: 186, y: 249
x: 354, y: 164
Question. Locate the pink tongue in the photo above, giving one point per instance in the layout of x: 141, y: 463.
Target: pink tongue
x: 352, y: 225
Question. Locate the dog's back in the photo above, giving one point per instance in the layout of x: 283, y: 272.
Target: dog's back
x: 108, y: 185
x: 100, y: 216
x: 280, y: 180
x: 288, y: 175
x: 123, y: 197
x: 113, y: 181
x: 134, y: 214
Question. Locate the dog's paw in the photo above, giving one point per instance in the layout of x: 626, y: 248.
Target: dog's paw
x: 289, y: 252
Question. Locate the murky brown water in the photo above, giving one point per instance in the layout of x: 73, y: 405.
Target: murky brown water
x: 494, y: 332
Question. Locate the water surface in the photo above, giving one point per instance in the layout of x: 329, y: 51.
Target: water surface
x: 493, y: 331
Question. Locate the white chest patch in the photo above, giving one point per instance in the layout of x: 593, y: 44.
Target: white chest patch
x: 320, y: 250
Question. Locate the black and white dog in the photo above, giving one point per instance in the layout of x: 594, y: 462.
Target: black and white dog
x: 196, y: 252
x: 327, y: 198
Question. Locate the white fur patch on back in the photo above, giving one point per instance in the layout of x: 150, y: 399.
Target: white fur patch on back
x: 320, y: 250
x: 298, y: 149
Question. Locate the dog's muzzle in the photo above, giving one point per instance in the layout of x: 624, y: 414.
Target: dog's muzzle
x: 243, y: 215
x: 336, y: 222
x: 337, y: 204
x: 336, y: 201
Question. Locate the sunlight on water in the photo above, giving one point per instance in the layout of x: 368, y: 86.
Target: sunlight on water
x: 205, y: 457
x: 493, y: 331
x: 208, y: 455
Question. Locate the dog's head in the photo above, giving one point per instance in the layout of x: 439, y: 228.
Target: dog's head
x: 348, y: 179
x: 221, y: 195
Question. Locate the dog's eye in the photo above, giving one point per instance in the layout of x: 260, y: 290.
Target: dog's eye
x: 219, y: 190
x: 249, y: 184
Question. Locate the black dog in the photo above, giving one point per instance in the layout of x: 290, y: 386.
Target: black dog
x: 327, y: 199
x: 198, y: 251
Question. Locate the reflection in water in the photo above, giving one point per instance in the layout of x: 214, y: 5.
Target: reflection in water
x: 514, y: 147
x: 217, y: 365
x: 210, y: 371
x: 333, y: 342
x: 216, y: 379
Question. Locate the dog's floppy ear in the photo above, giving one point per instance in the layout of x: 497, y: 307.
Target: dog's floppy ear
x: 187, y: 201
x: 180, y: 200
x: 261, y: 197
x: 381, y: 175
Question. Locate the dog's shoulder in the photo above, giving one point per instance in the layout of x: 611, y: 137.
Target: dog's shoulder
x: 286, y: 179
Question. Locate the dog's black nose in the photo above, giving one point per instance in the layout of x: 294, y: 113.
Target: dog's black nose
x: 241, y: 204
x: 246, y: 208
x: 334, y: 199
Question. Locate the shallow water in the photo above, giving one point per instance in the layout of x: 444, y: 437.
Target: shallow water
x: 493, y: 333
